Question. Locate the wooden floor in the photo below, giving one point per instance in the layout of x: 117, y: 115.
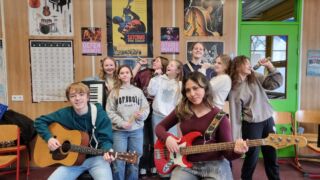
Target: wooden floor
x: 287, y: 171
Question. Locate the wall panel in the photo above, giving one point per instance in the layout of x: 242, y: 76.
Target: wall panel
x: 17, y: 38
x: 310, y: 85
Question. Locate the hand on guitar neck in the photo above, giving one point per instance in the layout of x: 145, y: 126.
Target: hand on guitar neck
x: 166, y: 158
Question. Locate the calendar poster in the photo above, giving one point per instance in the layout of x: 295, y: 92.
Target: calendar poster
x: 52, y: 69
x: 50, y: 17
x: 3, y: 77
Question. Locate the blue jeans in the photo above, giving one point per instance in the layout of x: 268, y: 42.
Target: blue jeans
x: 217, y: 170
x: 124, y: 141
x: 156, y: 119
x: 98, y: 168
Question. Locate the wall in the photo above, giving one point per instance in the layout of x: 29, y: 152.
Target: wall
x: 310, y: 85
x: 17, y: 37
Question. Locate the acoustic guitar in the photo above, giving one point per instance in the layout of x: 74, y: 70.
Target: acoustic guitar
x: 46, y: 9
x: 166, y: 161
x: 73, y: 149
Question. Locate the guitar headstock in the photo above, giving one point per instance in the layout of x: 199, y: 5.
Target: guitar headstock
x: 129, y: 157
x: 279, y: 141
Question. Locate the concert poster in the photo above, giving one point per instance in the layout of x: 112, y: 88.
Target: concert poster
x: 211, y: 50
x: 50, y: 18
x: 129, y: 28
x: 169, y: 40
x: 203, y: 18
x: 91, y: 41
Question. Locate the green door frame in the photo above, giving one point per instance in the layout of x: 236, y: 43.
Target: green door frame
x: 292, y: 29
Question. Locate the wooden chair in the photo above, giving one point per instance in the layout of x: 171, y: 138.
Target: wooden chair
x: 308, y: 118
x: 284, y: 124
x: 10, y: 150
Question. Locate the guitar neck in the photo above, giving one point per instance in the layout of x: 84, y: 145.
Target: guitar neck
x: 87, y: 150
x: 217, y: 147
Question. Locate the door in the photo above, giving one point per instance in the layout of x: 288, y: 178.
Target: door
x: 281, y: 43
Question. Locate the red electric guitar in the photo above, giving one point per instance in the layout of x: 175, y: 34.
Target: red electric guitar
x: 166, y: 161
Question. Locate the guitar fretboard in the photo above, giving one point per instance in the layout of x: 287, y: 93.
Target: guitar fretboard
x: 217, y: 147
x: 87, y: 150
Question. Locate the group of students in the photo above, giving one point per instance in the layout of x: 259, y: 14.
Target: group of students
x: 184, y: 98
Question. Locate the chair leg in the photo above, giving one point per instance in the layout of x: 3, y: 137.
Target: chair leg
x: 28, y: 163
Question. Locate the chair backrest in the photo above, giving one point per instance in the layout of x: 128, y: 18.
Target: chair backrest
x: 282, y: 117
x: 308, y: 116
x: 9, y: 132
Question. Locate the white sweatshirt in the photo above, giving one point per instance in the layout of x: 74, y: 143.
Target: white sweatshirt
x: 166, y: 92
x: 221, y: 85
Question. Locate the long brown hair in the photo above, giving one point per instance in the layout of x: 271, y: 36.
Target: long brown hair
x: 183, y: 109
x: 237, y: 64
x: 164, y: 63
x: 226, y: 60
x: 102, y: 73
x: 118, y: 82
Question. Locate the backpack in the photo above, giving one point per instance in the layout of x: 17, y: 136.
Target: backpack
x: 27, y: 131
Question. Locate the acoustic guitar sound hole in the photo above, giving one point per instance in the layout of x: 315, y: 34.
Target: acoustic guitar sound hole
x: 66, y: 147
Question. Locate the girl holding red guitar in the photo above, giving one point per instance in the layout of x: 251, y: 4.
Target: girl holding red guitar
x: 195, y: 113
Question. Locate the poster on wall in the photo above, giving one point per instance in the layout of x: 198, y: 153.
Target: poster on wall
x: 131, y: 62
x: 3, y: 77
x: 91, y: 41
x: 169, y: 40
x: 313, y: 63
x: 50, y: 18
x: 52, y: 69
x: 211, y: 50
x: 129, y: 28
x: 203, y: 18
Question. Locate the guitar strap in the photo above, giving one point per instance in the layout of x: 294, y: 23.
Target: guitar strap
x: 213, y: 125
x: 93, y: 120
x: 190, y: 67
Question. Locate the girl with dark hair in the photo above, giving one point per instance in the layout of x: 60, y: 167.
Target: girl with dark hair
x: 195, y: 114
x: 251, y: 112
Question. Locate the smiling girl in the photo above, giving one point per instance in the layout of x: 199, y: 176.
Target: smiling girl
x: 127, y: 108
x: 166, y: 91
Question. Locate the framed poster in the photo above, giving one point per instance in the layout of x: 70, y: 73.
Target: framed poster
x: 129, y: 28
x: 313, y: 63
x: 132, y: 62
x: 52, y: 69
x: 91, y: 41
x: 211, y: 50
x: 169, y: 40
x: 50, y: 17
x: 203, y: 18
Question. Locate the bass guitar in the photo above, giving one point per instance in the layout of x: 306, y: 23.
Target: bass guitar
x: 166, y: 161
x: 73, y: 149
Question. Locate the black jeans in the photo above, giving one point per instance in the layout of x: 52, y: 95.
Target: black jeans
x: 258, y: 131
